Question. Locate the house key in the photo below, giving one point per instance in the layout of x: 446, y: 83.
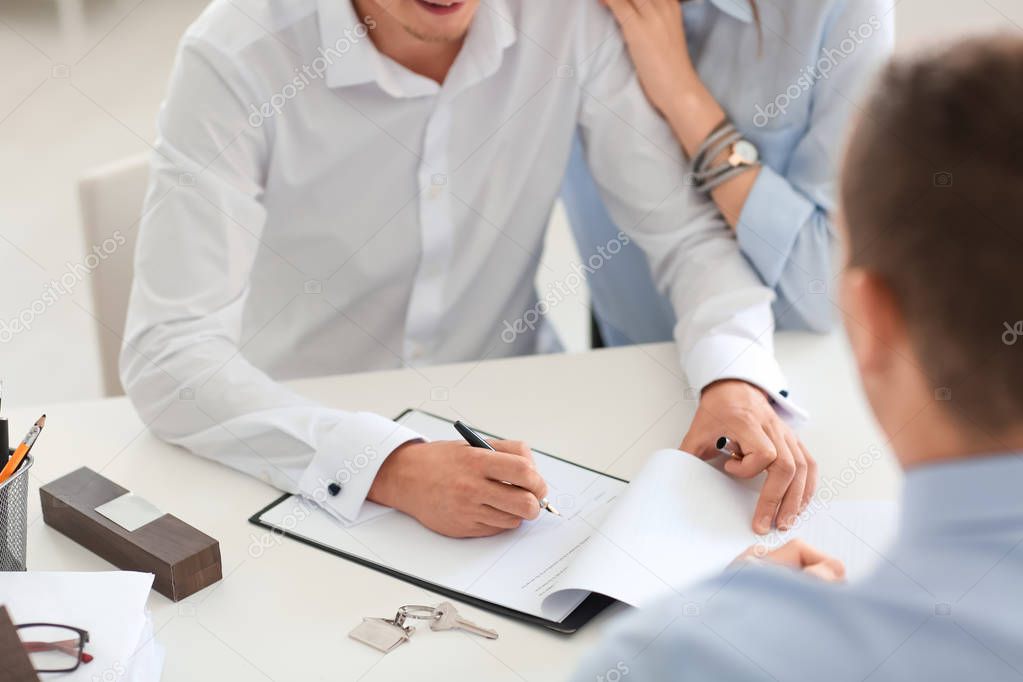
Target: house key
x: 446, y: 618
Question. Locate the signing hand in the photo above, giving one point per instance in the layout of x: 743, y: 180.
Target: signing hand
x: 742, y: 412
x: 459, y: 490
x: 656, y: 41
x: 802, y: 557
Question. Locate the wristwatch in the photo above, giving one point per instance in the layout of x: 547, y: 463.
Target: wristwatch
x: 742, y: 155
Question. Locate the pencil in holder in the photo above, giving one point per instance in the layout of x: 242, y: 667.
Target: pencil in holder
x: 14, y: 519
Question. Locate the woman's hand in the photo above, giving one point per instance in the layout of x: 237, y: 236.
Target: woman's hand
x: 656, y: 40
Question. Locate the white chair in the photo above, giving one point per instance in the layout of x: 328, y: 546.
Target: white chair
x: 111, y: 199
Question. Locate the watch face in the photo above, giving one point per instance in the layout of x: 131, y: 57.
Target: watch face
x: 746, y: 152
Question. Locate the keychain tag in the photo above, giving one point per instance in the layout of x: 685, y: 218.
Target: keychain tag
x: 381, y: 634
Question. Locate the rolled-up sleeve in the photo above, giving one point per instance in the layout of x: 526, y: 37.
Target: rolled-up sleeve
x: 776, y: 216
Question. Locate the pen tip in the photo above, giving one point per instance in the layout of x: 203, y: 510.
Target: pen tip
x: 551, y: 509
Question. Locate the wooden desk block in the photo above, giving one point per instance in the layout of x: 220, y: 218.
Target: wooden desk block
x: 184, y: 559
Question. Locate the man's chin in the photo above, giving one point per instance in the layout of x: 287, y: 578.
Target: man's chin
x: 435, y: 36
x: 443, y: 28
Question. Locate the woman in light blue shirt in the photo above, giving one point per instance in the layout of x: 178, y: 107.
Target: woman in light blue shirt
x: 787, y: 75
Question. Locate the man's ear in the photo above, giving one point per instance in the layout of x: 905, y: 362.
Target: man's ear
x: 873, y: 320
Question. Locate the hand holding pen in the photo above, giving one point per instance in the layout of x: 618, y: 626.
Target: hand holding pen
x: 477, y: 441
x: 460, y: 490
x: 761, y: 442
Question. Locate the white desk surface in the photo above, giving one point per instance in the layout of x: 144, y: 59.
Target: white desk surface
x: 284, y: 613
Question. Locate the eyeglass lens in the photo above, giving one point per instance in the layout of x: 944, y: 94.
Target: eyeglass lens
x: 52, y: 648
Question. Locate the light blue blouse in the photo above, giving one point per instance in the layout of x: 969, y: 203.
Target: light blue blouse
x: 793, y: 95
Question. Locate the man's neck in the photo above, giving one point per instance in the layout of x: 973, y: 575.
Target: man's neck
x: 933, y: 437
x: 432, y: 59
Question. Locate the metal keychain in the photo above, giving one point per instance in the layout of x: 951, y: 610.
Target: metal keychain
x: 387, y: 634
x: 446, y: 617
x: 383, y: 634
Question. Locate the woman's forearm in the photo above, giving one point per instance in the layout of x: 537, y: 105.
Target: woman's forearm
x: 693, y: 115
x: 655, y: 37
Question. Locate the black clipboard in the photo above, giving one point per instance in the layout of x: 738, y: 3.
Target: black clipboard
x: 590, y: 607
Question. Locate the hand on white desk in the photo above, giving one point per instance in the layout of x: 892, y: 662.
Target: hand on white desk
x: 461, y: 491
x: 802, y: 557
x: 743, y: 412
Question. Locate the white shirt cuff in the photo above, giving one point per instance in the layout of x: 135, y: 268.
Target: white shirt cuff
x: 349, y: 457
x: 723, y: 356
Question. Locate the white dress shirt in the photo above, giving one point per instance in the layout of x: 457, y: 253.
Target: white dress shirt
x: 317, y: 208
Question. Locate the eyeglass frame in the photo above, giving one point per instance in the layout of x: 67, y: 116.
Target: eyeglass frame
x: 83, y: 639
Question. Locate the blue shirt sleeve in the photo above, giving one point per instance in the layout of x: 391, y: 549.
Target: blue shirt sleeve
x: 785, y: 228
x: 789, y: 240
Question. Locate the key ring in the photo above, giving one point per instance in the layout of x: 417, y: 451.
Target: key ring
x: 415, y: 613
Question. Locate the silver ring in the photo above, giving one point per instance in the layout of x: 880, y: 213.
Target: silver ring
x: 415, y: 613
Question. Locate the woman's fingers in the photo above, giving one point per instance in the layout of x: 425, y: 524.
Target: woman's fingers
x: 623, y: 10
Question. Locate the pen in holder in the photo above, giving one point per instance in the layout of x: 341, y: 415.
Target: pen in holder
x: 14, y: 519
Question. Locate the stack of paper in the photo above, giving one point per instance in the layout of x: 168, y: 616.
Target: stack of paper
x: 111, y: 606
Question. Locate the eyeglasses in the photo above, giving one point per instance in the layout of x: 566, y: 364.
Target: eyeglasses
x: 54, y: 648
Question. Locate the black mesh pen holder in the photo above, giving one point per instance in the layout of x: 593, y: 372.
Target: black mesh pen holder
x: 14, y: 519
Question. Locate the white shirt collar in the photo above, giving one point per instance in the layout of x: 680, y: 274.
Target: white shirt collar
x: 353, y: 60
x: 350, y: 61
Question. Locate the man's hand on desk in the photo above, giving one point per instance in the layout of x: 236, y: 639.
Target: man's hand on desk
x: 742, y: 412
x: 461, y: 491
x: 802, y: 557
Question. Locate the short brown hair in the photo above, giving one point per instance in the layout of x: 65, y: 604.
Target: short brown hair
x: 933, y: 198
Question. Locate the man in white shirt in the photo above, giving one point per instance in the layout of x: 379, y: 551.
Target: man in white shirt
x: 345, y: 187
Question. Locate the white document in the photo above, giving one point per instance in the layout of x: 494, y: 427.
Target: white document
x: 517, y: 569
x: 679, y: 520
x: 682, y: 520
x: 110, y: 605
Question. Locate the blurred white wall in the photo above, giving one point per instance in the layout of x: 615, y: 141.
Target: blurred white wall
x: 80, y: 87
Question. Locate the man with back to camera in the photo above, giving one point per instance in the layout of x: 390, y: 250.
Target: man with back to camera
x: 341, y: 187
x: 932, y: 211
